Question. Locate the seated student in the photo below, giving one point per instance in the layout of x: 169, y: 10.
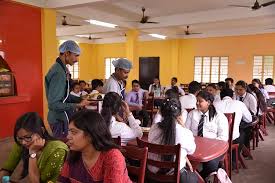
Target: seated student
x: 189, y: 101
x: 42, y: 156
x: 261, y: 103
x: 170, y: 131
x: 221, y: 85
x: 248, y: 99
x: 134, y: 99
x: 206, y: 121
x: 170, y: 94
x: 257, y: 83
x: 156, y: 88
x: 174, y: 81
x: 112, y: 104
x: 97, y: 88
x: 230, y: 83
x: 93, y: 156
x: 212, y: 88
x: 228, y: 105
x: 269, y: 85
x: 75, y: 93
x: 83, y: 88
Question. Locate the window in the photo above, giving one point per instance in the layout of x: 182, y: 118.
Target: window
x: 210, y: 69
x: 109, y: 68
x: 74, y: 70
x: 263, y: 67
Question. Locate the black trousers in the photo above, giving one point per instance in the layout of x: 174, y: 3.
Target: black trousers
x: 210, y: 166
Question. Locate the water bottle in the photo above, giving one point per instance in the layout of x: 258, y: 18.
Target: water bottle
x: 6, y: 179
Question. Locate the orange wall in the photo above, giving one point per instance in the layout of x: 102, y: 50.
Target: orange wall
x: 238, y: 48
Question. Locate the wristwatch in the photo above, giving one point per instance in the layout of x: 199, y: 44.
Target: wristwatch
x: 33, y: 155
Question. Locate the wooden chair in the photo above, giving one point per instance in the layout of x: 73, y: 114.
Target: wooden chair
x: 150, y: 107
x: 137, y: 154
x: 163, y: 150
x: 117, y: 141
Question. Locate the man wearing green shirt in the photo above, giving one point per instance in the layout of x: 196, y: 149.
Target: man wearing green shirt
x: 57, y: 89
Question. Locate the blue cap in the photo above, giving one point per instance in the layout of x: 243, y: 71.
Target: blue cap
x: 70, y: 46
x: 122, y: 63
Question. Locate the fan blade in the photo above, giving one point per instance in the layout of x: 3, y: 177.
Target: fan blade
x: 240, y: 6
x: 72, y: 25
x: 195, y: 33
x: 268, y: 3
x: 152, y: 22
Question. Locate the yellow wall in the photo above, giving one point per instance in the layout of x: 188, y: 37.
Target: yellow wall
x: 177, y: 56
x: 49, y: 51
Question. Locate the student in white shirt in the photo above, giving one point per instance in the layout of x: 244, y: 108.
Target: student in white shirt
x: 206, y: 121
x: 212, y: 88
x: 228, y: 105
x: 189, y: 101
x: 156, y: 89
x: 257, y: 83
x: 269, y: 85
x: 174, y: 81
x: 83, y: 87
x: 247, y: 98
x: 171, y: 131
x: 170, y: 94
x: 97, y: 89
x: 261, y: 103
x: 75, y: 90
x: 111, y: 106
x: 230, y: 83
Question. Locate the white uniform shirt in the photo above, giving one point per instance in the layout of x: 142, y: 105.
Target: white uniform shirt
x: 181, y: 91
x: 158, y: 117
x: 184, y: 137
x: 250, y: 101
x: 188, y: 101
x: 126, y: 132
x: 217, y: 128
x: 228, y: 105
x: 269, y: 88
x: 113, y: 85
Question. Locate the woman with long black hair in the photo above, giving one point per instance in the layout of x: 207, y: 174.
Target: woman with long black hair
x: 206, y: 121
x: 171, y: 131
x: 93, y: 155
x: 42, y: 155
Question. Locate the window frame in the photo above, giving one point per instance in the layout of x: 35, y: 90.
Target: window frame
x: 210, y: 70
x: 263, y: 77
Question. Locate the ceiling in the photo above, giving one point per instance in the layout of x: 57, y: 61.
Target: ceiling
x: 212, y: 18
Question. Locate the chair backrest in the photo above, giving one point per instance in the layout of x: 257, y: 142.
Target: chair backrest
x: 271, y: 94
x: 117, y: 141
x: 231, y: 119
x: 163, y: 150
x: 149, y: 103
x: 189, y: 109
x: 135, y: 153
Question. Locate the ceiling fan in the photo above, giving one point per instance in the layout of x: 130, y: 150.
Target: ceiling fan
x: 145, y: 19
x: 65, y: 23
x: 256, y: 5
x: 187, y: 32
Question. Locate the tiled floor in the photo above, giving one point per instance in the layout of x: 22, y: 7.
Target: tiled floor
x: 260, y: 170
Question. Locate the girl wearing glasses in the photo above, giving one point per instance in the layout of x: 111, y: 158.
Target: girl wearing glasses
x: 42, y: 156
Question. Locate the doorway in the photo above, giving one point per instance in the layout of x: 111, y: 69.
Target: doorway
x: 148, y: 70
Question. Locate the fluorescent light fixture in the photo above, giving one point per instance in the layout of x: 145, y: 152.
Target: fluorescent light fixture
x: 82, y: 36
x: 158, y: 36
x: 104, y: 24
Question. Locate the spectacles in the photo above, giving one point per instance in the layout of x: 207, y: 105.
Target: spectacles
x: 26, y: 138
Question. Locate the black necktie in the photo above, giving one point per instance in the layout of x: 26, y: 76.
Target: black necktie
x: 137, y: 98
x: 200, y: 127
x: 241, y: 99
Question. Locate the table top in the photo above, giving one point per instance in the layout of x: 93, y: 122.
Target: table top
x: 206, y: 149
